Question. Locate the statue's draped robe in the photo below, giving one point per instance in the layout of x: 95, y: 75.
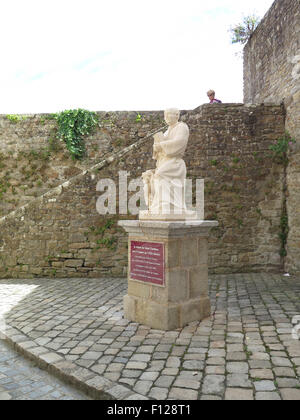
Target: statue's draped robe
x: 168, y: 181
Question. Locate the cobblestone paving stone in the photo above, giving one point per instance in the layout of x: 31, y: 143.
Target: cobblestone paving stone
x: 21, y: 379
x: 245, y: 350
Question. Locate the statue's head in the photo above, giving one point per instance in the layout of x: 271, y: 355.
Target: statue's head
x: 172, y: 116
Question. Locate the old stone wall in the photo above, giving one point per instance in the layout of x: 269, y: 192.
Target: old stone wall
x: 33, y: 160
x: 272, y: 74
x: 61, y: 234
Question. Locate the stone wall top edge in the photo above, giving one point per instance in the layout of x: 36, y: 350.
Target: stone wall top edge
x: 183, y: 111
x: 264, y: 104
x: 36, y: 114
x: 222, y: 105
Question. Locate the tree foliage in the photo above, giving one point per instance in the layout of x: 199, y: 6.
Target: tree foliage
x: 241, y: 32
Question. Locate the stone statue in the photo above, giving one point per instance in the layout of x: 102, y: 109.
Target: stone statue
x: 164, y: 187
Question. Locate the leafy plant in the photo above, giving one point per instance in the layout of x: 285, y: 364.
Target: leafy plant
x: 213, y: 162
x: 109, y: 242
x: 240, y: 222
x: 102, y: 229
x: 15, y: 118
x: 72, y: 126
x: 242, y: 32
x: 138, y: 118
x: 280, y: 148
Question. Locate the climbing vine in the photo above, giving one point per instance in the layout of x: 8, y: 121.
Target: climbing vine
x: 73, y: 125
x: 280, y: 151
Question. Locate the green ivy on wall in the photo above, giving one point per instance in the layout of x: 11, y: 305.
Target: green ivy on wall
x: 281, y: 149
x: 72, y: 126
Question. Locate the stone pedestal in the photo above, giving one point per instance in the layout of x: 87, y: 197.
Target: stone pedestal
x: 167, y: 272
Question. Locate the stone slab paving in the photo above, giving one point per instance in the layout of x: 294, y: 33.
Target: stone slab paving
x: 75, y: 329
x: 21, y: 379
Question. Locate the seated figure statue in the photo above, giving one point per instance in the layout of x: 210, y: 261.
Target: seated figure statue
x: 164, y: 187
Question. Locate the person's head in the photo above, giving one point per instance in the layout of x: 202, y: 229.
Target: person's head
x: 211, y: 94
x: 172, y: 116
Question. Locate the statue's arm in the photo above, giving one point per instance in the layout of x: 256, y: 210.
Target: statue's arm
x: 158, y: 138
x: 177, y: 143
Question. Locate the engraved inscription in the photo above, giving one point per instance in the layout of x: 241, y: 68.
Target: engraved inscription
x: 147, y: 262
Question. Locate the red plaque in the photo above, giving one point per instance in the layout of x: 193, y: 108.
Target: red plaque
x: 147, y: 262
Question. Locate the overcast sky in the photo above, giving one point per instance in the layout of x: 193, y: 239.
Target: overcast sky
x: 119, y: 54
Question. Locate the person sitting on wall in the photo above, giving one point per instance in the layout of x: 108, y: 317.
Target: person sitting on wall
x: 211, y: 95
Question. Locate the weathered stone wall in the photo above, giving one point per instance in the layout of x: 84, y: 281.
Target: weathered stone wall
x: 32, y: 160
x: 272, y: 56
x: 61, y: 234
x: 272, y: 74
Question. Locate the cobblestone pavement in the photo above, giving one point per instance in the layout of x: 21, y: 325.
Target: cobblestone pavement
x: 21, y: 379
x: 75, y: 329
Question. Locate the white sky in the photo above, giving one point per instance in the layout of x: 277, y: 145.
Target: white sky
x: 110, y: 55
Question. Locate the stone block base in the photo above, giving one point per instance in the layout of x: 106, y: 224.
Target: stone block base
x: 188, y: 215
x: 167, y: 273
x: 165, y: 317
